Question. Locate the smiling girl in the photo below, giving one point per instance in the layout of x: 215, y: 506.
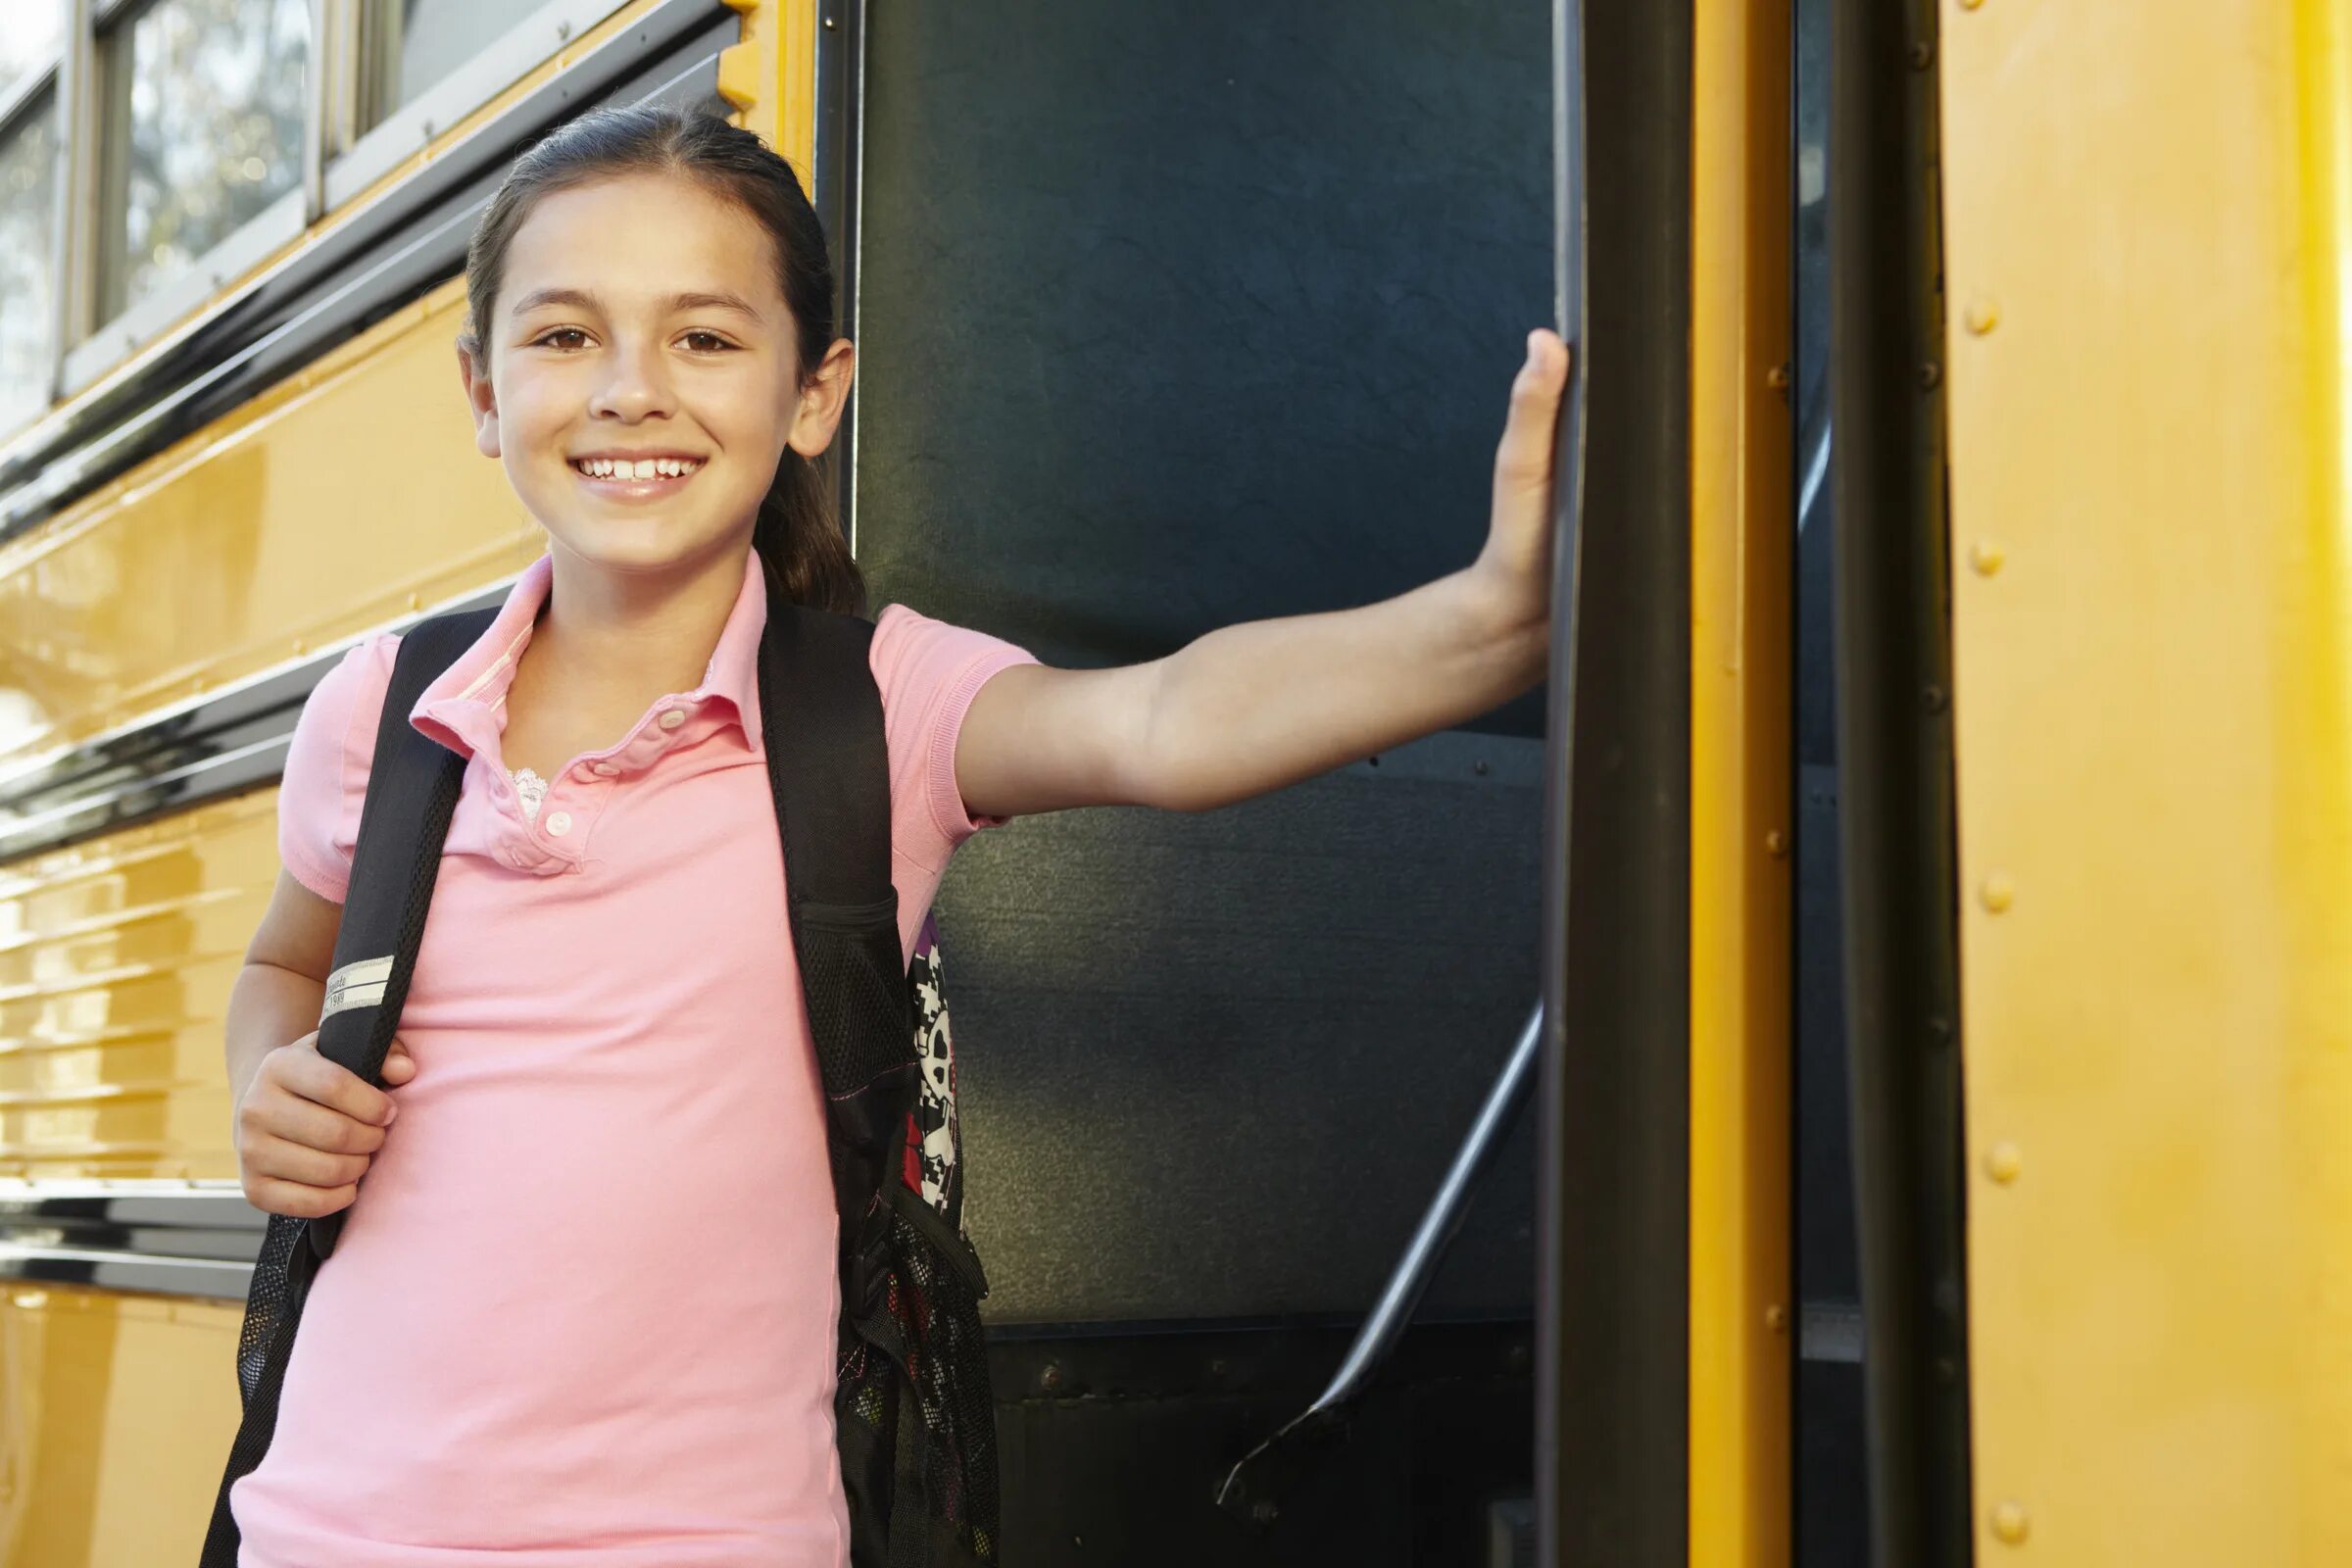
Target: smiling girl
x: 605, y: 1079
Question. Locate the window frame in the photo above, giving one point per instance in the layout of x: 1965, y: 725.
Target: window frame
x: 339, y: 163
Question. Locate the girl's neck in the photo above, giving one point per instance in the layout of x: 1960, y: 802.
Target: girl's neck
x: 629, y: 638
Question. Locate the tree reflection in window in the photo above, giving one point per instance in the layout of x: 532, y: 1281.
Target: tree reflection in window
x: 205, y: 102
x: 412, y: 44
x: 27, y: 232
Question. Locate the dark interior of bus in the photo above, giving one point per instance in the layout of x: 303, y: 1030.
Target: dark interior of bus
x: 1216, y: 1066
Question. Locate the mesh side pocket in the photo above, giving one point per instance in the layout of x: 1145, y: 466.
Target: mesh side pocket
x: 856, y: 986
x: 266, y: 1302
x: 939, y: 1313
x: 936, y: 1313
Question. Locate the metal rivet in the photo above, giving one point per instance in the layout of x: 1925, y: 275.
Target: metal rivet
x: 1982, y: 316
x: 563, y: 30
x: 2003, y: 1161
x: 1775, y: 1318
x: 415, y: 601
x: 1986, y: 556
x: 1776, y: 844
x: 1479, y: 769
x: 1931, y: 375
x: 1970, y: 5
x: 1934, y: 699
x: 301, y: 647
x: 1777, y: 376
x: 1922, y: 54
x: 1050, y: 1378
x: 1997, y: 892
x: 2009, y: 1521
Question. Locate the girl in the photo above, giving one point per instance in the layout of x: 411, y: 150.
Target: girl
x: 587, y: 1315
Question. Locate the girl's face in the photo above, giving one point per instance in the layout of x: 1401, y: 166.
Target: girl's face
x: 640, y: 320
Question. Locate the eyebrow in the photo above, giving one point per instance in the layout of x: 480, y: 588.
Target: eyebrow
x: 582, y: 298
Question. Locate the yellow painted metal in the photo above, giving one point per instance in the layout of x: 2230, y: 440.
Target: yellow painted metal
x: 2148, y: 228
x: 770, y: 76
x: 115, y: 961
x: 116, y: 1412
x: 1741, y: 1309
x: 326, y: 505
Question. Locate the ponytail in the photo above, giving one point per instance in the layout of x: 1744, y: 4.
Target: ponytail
x: 801, y: 541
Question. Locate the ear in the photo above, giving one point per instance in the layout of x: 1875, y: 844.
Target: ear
x: 823, y: 399
x: 482, y: 401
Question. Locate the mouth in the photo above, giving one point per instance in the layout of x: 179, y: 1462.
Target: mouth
x: 644, y: 479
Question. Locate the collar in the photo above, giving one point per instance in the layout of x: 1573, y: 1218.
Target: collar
x: 464, y: 708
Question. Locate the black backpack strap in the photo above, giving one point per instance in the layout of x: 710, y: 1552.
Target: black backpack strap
x: 829, y: 769
x: 412, y: 791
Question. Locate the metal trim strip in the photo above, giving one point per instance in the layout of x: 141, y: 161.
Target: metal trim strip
x: 204, y: 1278
x: 159, y: 1238
x: 197, y: 750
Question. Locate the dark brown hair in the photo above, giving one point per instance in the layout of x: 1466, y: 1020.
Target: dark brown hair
x: 797, y: 534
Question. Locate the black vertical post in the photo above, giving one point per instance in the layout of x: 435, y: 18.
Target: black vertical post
x: 1613, y: 1167
x: 1894, y: 743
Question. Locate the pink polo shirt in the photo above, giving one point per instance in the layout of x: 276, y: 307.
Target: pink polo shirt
x: 583, y: 1310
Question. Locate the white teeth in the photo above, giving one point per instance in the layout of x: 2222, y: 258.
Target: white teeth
x: 641, y: 468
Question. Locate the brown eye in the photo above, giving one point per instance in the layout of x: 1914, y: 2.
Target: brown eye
x: 549, y: 338
x: 710, y: 342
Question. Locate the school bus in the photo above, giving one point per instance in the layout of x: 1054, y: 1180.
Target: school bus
x: 1851, y: 1073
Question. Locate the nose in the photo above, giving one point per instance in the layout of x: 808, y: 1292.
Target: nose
x: 637, y: 386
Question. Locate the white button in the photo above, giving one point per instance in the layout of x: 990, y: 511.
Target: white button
x: 673, y: 718
x: 607, y: 770
x: 559, y: 825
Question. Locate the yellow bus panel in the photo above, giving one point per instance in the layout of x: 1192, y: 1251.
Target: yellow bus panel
x: 118, y: 1410
x: 2148, y: 222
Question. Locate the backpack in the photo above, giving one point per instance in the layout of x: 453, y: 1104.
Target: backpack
x: 914, y: 1419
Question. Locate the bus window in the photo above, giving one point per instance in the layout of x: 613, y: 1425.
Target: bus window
x: 27, y: 240
x: 28, y: 44
x: 203, y: 107
x: 408, y: 45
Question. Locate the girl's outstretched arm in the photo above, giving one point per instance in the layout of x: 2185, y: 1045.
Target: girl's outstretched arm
x: 1251, y: 708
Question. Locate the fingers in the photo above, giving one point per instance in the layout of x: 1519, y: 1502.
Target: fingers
x: 278, y: 1159
x: 1525, y: 453
x: 398, y: 1065
x: 273, y: 1197
x: 313, y: 1126
x: 307, y: 1073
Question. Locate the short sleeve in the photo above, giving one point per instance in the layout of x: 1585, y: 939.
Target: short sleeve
x: 328, y: 763
x: 930, y: 672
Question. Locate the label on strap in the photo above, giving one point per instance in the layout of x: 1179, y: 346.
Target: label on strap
x: 356, y: 985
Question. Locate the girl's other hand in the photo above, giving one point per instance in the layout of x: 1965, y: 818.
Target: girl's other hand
x: 307, y: 1128
x: 1515, y: 567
